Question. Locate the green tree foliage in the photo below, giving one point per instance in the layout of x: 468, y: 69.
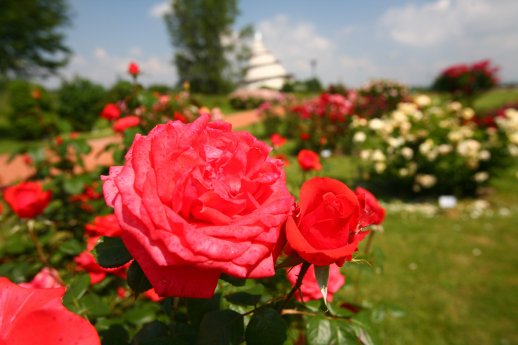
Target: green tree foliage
x: 198, y: 29
x: 80, y: 102
x: 31, y: 42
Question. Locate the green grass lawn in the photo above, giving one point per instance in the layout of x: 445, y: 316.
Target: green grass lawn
x: 445, y: 279
x: 495, y: 98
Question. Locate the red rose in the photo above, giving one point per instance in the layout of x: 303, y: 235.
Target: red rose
x: 45, y: 279
x: 309, y: 160
x: 37, y: 316
x: 133, y: 69
x: 104, y: 226
x: 277, y: 140
x: 27, y: 199
x: 111, y: 112
x: 310, y: 289
x: 326, y: 229
x: 198, y: 200
x: 126, y: 122
x: 371, y: 211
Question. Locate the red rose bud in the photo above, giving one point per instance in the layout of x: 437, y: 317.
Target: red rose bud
x: 325, y: 230
x: 371, y: 211
x: 37, y: 316
x: 309, y: 160
x: 27, y: 199
x: 111, y: 112
x: 277, y: 140
x: 124, y: 123
x: 197, y: 200
x: 310, y: 289
x: 133, y: 69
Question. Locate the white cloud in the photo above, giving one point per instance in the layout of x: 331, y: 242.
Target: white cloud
x: 443, y: 21
x: 102, y: 67
x: 296, y: 43
x: 458, y: 30
x: 160, y: 10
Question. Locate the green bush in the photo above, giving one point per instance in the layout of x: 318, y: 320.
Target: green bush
x: 80, y: 102
x: 31, y: 111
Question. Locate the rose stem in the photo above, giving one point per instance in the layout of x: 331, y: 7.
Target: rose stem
x: 37, y: 244
x: 303, y: 270
x: 366, y: 252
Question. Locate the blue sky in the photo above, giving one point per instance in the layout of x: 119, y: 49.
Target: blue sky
x: 352, y: 41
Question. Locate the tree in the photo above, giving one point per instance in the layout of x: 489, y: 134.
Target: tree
x: 31, y: 42
x: 198, y: 31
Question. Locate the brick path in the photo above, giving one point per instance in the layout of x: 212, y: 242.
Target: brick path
x: 17, y: 170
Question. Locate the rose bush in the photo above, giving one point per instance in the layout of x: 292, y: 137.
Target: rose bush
x: 27, y: 199
x: 36, y: 316
x: 197, y: 200
x: 326, y: 228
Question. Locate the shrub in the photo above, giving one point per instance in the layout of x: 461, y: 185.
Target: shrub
x: 465, y: 80
x: 251, y: 99
x: 31, y: 111
x: 425, y: 148
x: 378, y: 97
x: 80, y: 102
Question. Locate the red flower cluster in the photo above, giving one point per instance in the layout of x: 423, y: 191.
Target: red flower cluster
x: 27, y: 199
x: 335, y: 107
x: 466, y: 80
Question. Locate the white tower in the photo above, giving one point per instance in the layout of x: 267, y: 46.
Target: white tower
x: 263, y: 69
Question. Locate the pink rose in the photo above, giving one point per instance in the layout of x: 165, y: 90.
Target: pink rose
x: 198, y: 200
x: 310, y: 289
x: 37, y: 316
x: 45, y: 279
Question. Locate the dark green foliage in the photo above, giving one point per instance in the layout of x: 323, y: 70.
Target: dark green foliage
x: 196, y: 28
x: 31, y: 42
x: 31, y: 111
x: 80, y: 102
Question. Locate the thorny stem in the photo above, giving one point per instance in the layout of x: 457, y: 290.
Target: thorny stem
x: 303, y: 270
x: 39, y: 249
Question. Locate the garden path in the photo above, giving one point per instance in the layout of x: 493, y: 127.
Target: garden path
x: 18, y: 170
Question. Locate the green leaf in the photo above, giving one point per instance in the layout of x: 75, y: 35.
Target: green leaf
x: 243, y: 298
x: 137, y: 280
x: 115, y: 335
x: 77, y: 288
x: 266, y: 327
x: 319, y: 331
x: 322, y: 275
x: 153, y: 333
x: 232, y: 280
x: 198, y: 307
x: 71, y: 247
x: 222, y: 327
x: 74, y: 185
x: 111, y: 252
x: 142, y: 312
x: 95, y: 305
